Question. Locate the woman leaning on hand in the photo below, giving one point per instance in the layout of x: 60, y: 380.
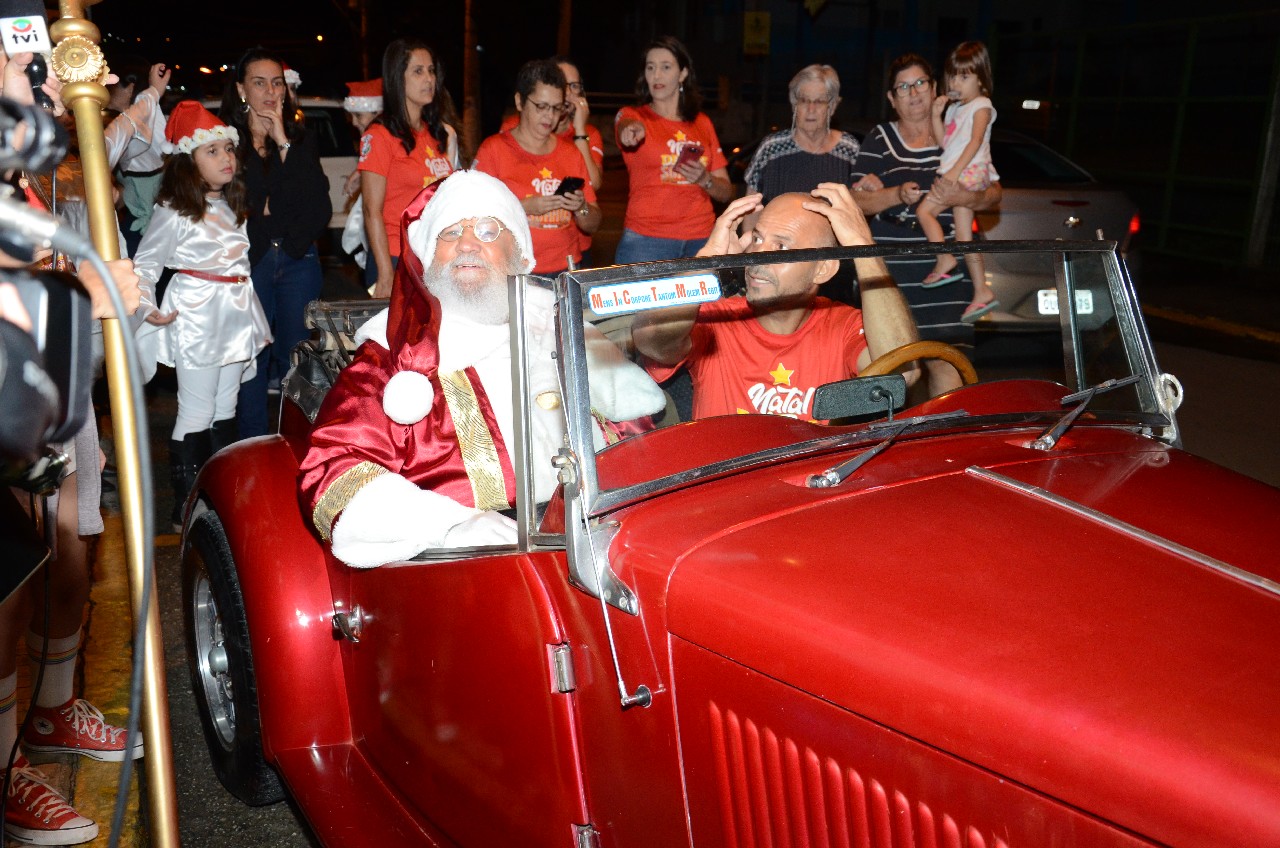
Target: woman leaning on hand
x: 669, y: 212
x: 289, y: 209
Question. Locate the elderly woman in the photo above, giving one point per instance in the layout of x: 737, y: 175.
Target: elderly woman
x: 811, y: 152
x: 896, y: 166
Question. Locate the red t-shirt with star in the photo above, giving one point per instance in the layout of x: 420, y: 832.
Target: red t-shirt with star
x: 739, y: 367
x: 406, y: 173
x: 661, y: 203
x: 595, y: 142
x: 555, y: 233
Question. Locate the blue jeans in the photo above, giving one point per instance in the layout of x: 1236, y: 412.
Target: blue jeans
x: 284, y: 286
x: 633, y: 247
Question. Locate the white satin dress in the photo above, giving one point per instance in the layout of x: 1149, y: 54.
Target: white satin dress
x: 218, y: 323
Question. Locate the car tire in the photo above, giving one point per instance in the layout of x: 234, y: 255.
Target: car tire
x: 221, y: 664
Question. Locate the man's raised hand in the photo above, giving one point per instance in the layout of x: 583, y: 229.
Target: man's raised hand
x: 724, y: 238
x: 835, y: 201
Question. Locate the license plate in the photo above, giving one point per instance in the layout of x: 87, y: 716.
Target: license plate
x: 1047, y: 300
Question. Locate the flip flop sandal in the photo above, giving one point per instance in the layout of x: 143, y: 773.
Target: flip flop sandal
x: 936, y: 279
x: 973, y: 313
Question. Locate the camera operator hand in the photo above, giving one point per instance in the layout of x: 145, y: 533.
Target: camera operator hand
x: 15, y: 85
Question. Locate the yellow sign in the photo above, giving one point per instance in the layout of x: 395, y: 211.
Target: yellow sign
x: 755, y: 33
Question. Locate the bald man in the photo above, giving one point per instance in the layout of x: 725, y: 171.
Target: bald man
x: 768, y: 351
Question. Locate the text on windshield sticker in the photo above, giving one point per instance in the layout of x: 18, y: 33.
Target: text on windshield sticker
x: 654, y: 294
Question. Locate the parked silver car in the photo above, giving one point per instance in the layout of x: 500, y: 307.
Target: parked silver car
x: 1047, y: 195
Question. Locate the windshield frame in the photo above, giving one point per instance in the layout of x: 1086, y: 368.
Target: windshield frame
x: 573, y: 290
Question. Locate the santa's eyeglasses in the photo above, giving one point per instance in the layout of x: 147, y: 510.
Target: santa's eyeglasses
x: 485, y: 229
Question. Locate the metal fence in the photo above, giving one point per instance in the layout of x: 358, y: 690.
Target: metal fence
x: 1185, y: 115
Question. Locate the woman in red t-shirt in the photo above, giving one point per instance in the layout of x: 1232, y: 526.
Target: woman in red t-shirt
x: 534, y: 162
x: 673, y: 159
x: 407, y: 148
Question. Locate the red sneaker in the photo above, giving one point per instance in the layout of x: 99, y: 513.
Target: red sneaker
x: 77, y: 727
x: 38, y: 814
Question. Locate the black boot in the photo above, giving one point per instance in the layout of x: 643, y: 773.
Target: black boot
x: 185, y: 459
x: 223, y: 433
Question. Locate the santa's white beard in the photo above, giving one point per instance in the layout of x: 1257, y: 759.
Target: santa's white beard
x: 482, y: 300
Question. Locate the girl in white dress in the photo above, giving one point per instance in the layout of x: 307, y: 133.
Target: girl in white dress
x: 210, y: 325
x: 962, y: 120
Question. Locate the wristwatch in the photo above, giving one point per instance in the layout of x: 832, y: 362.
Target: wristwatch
x: 582, y: 138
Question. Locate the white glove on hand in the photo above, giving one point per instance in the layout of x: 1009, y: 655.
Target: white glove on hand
x: 487, y: 528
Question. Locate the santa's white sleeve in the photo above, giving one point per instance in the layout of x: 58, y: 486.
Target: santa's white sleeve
x: 390, y: 519
x: 620, y: 389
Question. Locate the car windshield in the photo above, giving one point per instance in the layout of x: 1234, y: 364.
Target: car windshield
x: 1019, y: 380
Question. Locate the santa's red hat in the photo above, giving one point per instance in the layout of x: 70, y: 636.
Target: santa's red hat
x: 364, y: 96
x: 190, y: 125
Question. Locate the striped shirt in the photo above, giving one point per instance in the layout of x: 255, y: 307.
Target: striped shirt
x: 781, y: 166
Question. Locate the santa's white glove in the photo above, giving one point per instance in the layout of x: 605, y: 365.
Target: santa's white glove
x: 391, y: 519
x: 487, y: 528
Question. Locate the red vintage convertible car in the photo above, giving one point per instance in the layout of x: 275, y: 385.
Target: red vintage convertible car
x: 1012, y: 614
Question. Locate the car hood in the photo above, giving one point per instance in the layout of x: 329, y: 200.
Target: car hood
x: 1048, y: 644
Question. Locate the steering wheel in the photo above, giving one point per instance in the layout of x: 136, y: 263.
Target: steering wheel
x: 894, y: 359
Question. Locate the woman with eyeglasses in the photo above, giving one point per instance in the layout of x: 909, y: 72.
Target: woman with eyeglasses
x: 545, y: 171
x: 673, y: 159
x: 896, y: 165
x: 811, y: 152
x: 411, y: 145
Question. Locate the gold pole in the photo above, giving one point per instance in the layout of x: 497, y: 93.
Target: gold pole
x: 78, y: 62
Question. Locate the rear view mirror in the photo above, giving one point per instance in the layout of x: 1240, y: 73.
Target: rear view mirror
x: 860, y: 396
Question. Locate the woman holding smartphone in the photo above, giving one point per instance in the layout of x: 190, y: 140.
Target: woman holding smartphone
x: 673, y: 159
x: 544, y: 170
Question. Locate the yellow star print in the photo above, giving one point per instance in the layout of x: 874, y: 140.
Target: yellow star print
x: 781, y: 375
x: 680, y: 136
x: 545, y: 173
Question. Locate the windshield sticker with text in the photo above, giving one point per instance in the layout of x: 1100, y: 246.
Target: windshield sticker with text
x: 620, y: 298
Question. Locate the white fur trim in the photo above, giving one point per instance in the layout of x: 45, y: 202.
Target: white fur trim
x: 407, y: 397
x: 292, y: 78
x: 201, y: 137
x: 391, y: 519
x: 471, y: 194
x: 362, y: 104
x: 375, y: 329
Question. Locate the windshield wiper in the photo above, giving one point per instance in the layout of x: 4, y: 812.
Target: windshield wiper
x: 836, y: 475
x: 1049, y: 438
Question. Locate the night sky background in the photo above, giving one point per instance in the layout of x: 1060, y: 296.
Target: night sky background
x: 218, y: 33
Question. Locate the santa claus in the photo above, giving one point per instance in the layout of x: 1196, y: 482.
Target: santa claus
x: 412, y: 448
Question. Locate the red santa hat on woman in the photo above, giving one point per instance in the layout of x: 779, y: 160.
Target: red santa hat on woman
x: 364, y: 96
x: 191, y: 125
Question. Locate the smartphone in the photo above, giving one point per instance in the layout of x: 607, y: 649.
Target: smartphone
x: 570, y: 184
x: 689, y: 154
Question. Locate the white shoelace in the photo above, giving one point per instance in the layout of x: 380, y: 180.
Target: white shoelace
x: 49, y: 804
x: 88, y: 719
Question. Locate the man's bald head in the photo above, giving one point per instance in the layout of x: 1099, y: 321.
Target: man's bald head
x: 784, y: 224
x: 811, y: 228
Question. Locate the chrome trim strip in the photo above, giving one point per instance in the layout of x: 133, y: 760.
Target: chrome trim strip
x: 1207, y: 561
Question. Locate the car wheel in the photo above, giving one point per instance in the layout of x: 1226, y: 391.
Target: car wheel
x: 221, y: 664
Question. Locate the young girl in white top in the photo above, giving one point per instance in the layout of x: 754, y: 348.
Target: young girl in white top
x: 210, y: 325
x: 962, y: 121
